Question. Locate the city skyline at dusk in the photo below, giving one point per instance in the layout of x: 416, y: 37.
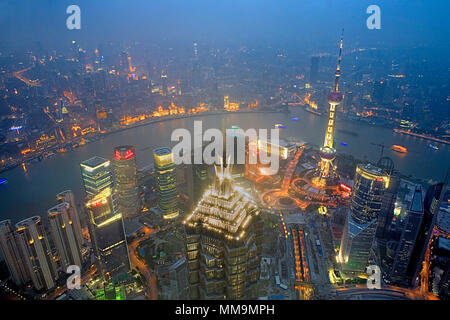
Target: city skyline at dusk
x: 241, y: 150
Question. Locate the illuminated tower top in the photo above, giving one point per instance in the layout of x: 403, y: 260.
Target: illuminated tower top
x: 334, y: 99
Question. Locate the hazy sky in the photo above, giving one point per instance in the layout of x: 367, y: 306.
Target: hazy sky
x: 309, y: 23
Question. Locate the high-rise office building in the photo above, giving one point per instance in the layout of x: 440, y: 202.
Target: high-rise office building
x: 68, y: 197
x: 200, y: 180
x: 166, y: 183
x: 379, y: 90
x: 165, y: 90
x: 125, y: 173
x: 179, y: 286
x: 314, y: 69
x: 431, y: 207
x: 223, y: 242
x: 105, y: 221
x: 359, y: 231
x: 36, y: 252
x: 64, y: 235
x: 387, y: 206
x: 11, y: 253
x: 408, y: 238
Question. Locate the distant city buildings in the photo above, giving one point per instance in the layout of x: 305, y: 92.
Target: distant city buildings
x: 125, y: 173
x: 166, y: 183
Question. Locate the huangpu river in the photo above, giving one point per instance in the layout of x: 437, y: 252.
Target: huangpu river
x: 33, y: 191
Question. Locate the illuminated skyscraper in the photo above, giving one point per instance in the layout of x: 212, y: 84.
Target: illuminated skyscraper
x: 11, y: 253
x: 36, y: 252
x: 361, y: 222
x: 166, y: 183
x: 408, y: 238
x: 226, y: 102
x: 68, y: 197
x: 105, y: 220
x: 314, y: 70
x: 164, y: 83
x: 64, y: 235
x: 327, y: 151
x: 125, y: 172
x: 434, y: 197
x: 223, y: 242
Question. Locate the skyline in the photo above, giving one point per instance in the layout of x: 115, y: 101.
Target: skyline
x: 136, y: 161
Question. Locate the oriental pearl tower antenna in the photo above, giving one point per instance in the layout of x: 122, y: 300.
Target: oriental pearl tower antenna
x: 327, y: 151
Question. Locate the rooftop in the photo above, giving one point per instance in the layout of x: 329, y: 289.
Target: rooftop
x: 162, y: 151
x: 95, y: 162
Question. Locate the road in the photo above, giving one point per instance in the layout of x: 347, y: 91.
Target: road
x: 395, y: 292
x: 86, y: 277
x: 151, y: 292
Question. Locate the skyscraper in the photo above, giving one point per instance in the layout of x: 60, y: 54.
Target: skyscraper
x: 64, y: 235
x: 223, y: 242
x: 164, y: 83
x: 432, y: 202
x: 105, y: 220
x: 361, y: 222
x: 11, y: 253
x: 166, y: 183
x: 408, y: 238
x: 314, y: 69
x: 327, y: 151
x: 68, y: 197
x: 36, y: 252
x: 226, y: 102
x: 125, y: 172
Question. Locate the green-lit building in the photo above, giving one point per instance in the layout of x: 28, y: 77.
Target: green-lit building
x: 166, y: 183
x: 111, y: 292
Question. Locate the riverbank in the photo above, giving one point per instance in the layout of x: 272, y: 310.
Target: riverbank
x: 40, y: 156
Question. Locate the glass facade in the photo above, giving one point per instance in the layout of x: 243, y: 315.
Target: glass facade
x: 125, y: 173
x: 105, y: 220
x: 361, y: 223
x: 166, y: 183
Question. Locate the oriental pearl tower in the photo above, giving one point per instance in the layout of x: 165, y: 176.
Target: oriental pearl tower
x: 326, y: 172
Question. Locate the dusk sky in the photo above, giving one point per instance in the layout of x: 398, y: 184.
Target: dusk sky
x: 251, y: 22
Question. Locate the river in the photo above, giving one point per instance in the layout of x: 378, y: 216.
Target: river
x: 33, y: 191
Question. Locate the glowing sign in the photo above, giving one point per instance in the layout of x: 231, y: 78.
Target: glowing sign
x: 128, y: 155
